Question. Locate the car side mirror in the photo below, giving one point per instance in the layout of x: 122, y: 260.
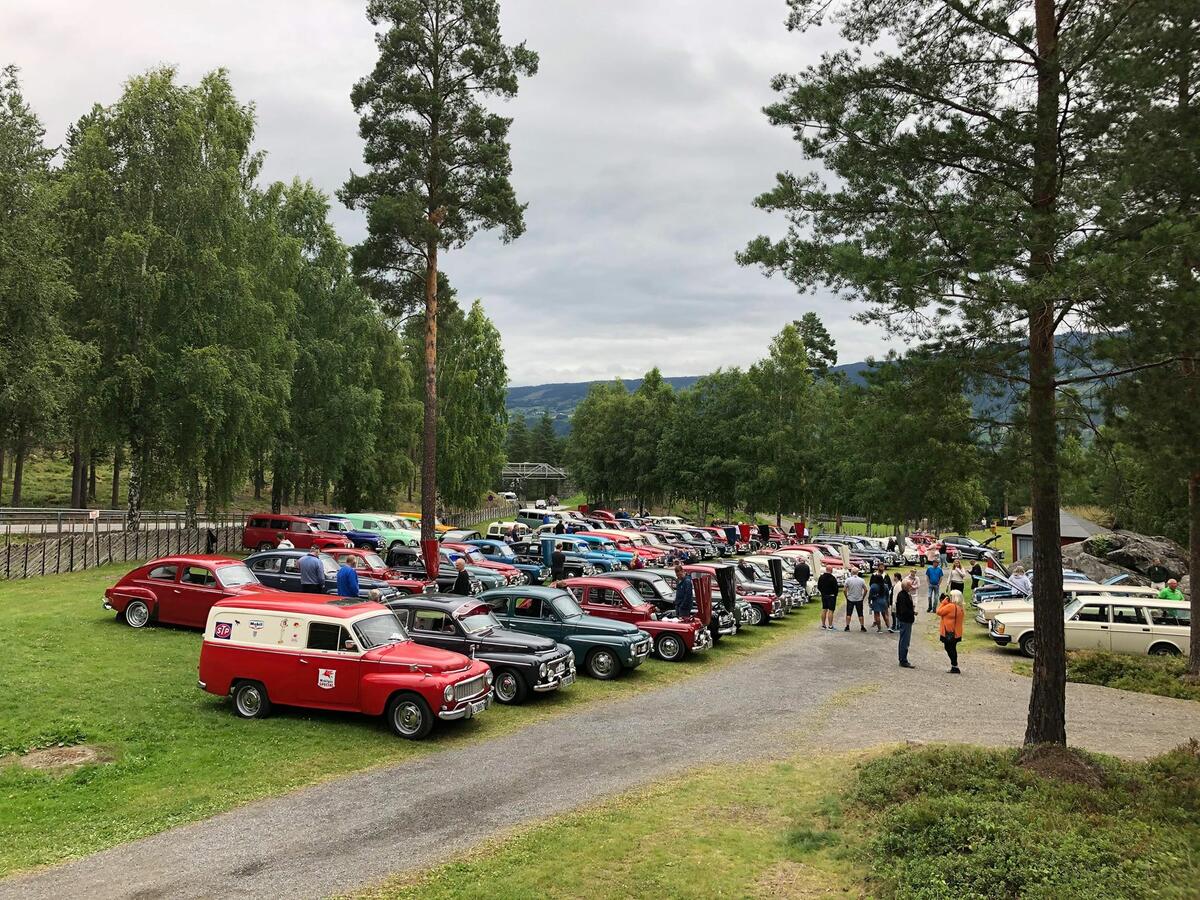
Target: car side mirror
x: 350, y: 647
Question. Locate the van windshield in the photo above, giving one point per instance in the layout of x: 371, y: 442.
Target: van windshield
x: 375, y: 631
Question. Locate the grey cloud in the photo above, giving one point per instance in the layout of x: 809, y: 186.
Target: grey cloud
x: 639, y: 148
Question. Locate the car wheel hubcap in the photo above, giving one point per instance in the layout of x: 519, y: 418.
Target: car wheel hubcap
x: 506, y: 687
x: 603, y: 664
x: 137, y: 615
x: 669, y: 648
x: 408, y: 718
x: 757, y: 616
x: 249, y: 701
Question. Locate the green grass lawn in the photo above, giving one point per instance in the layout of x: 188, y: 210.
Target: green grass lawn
x: 73, y: 674
x: 1144, y: 674
x: 930, y: 822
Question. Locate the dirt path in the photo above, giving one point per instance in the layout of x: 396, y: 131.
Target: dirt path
x: 834, y: 690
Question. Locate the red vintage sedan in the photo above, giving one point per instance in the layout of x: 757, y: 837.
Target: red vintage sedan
x: 179, y: 590
x: 368, y: 562
x: 611, y: 598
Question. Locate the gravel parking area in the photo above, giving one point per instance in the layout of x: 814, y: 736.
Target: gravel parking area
x: 817, y: 689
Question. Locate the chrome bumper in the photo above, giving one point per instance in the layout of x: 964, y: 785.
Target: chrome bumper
x: 468, y: 709
x: 108, y: 605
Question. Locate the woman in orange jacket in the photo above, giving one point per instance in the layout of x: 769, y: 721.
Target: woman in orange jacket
x: 950, y: 611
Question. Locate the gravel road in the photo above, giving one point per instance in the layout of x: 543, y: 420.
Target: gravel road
x: 820, y: 689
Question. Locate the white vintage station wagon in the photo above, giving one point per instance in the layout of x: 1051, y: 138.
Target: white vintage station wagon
x: 1104, y: 622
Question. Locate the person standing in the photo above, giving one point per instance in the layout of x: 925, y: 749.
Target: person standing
x: 976, y: 575
x: 827, y: 587
x: 943, y: 554
x: 957, y: 577
x: 906, y: 615
x: 558, y: 562
x: 856, y: 592
x: 1021, y: 581
x: 1158, y: 574
x: 684, y: 593
x: 950, y: 611
x: 1171, y: 591
x: 462, y: 581
x: 879, y: 593
x: 347, y: 580
x: 559, y: 527
x: 312, y: 572
x: 282, y: 542
x: 891, y: 544
x: 933, y: 576
x: 802, y: 573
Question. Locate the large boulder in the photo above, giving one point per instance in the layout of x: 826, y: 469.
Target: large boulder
x: 1137, y: 552
x: 1077, y: 556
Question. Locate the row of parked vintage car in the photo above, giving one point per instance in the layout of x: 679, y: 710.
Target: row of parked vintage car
x: 413, y: 652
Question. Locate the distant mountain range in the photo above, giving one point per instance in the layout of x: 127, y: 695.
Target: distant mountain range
x: 561, y: 399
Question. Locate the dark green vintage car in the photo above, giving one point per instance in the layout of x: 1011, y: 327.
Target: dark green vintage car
x: 603, y: 648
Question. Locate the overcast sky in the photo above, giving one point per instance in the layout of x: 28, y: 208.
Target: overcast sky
x: 639, y: 147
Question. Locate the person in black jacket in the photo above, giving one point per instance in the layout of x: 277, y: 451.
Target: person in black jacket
x: 827, y: 585
x: 906, y: 614
x: 684, y: 593
x: 976, y: 575
x: 558, y: 563
x: 462, y: 581
x: 801, y: 572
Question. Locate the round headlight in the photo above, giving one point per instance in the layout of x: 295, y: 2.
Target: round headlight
x: 542, y: 670
x: 488, y: 677
x: 999, y: 628
x: 448, y: 693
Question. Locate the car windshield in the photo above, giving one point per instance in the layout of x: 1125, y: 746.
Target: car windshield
x: 374, y: 561
x: 331, y: 566
x: 474, y: 556
x: 235, y: 575
x: 565, y: 606
x: 390, y: 524
x: 631, y: 595
x: 375, y: 631
x: 478, y: 620
x: 502, y: 550
x: 660, y: 586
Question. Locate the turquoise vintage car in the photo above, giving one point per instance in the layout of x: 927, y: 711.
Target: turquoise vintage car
x: 387, y: 527
x: 603, y: 647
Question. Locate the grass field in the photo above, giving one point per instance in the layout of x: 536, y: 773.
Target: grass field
x: 72, y: 674
x: 932, y: 822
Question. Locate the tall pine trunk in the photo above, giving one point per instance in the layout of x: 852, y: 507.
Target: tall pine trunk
x: 118, y: 458
x: 18, y: 468
x: 429, y: 426
x: 138, y: 459
x: 91, y: 491
x: 1194, y: 570
x: 76, y: 461
x: 1047, y: 700
x: 2, y: 472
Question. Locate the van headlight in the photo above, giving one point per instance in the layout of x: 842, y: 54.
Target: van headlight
x: 448, y: 693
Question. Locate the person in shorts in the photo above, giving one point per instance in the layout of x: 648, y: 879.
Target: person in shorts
x: 827, y: 587
x: 856, y: 592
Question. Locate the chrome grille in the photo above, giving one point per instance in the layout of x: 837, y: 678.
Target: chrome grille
x: 468, y: 688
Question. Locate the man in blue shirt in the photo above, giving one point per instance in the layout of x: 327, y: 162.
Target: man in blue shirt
x: 684, y: 593
x: 934, y: 574
x: 312, y: 572
x: 347, y: 580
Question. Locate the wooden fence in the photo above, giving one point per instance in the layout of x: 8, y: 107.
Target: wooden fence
x: 75, y: 552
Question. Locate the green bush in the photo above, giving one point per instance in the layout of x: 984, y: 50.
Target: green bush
x: 1146, y: 674
x: 972, y: 823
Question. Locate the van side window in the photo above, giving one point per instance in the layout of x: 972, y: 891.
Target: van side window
x: 279, y: 524
x: 1092, y: 612
x: 300, y: 528
x: 162, y: 573
x: 325, y: 636
x: 260, y: 523
x: 1170, y: 616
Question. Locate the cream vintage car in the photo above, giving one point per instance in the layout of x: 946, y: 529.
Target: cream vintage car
x: 1072, y: 590
x: 1122, y: 624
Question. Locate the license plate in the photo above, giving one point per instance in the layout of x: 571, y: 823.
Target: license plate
x: 569, y: 678
x: 478, y: 706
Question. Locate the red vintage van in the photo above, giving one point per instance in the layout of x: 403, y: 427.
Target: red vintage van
x: 262, y: 532
x: 335, y: 653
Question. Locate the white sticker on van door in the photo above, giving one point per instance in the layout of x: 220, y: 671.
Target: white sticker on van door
x: 326, y: 678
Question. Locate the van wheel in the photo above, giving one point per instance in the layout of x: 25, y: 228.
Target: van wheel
x: 509, y: 687
x: 671, y: 648
x: 1028, y: 644
x: 137, y: 614
x: 409, y: 716
x: 602, y: 664
x: 264, y: 546
x: 250, y: 700
x: 1164, y: 650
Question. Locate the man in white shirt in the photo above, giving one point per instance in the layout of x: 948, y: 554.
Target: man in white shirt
x: 856, y: 592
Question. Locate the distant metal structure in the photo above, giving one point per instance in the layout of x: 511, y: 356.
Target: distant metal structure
x: 523, y: 470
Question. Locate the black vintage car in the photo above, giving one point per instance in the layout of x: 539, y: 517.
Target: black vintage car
x: 408, y: 561
x: 280, y: 569
x: 520, y: 662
